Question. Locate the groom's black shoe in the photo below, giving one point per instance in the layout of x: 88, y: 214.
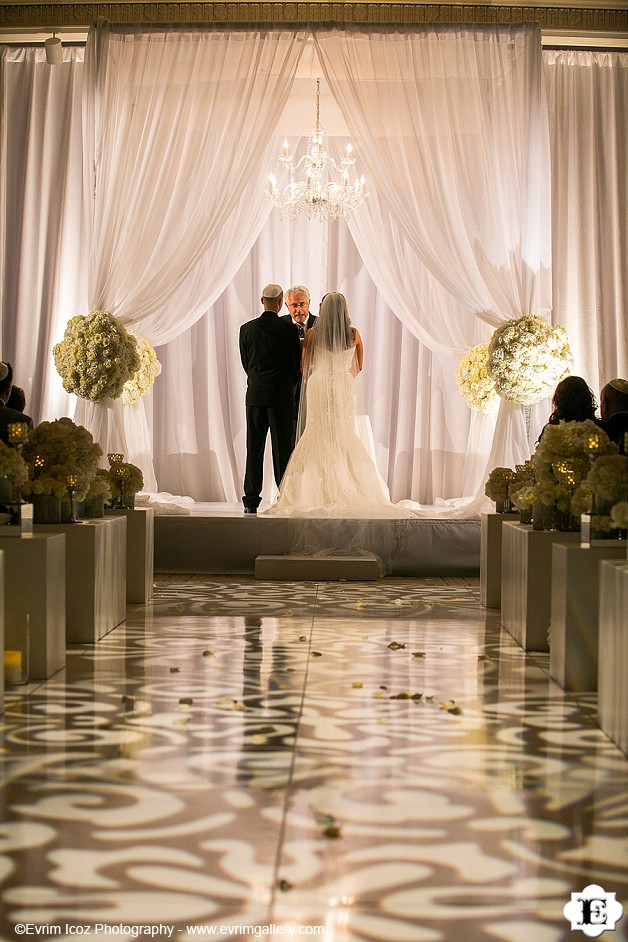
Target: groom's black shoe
x: 250, y: 510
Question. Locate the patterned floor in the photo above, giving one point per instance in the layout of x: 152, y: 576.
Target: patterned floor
x: 368, y: 762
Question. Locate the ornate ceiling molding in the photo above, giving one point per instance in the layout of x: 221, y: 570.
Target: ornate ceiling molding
x: 610, y: 17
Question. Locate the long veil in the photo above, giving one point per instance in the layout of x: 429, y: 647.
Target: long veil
x: 332, y: 488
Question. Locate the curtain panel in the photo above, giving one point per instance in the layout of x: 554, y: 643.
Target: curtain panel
x: 176, y: 121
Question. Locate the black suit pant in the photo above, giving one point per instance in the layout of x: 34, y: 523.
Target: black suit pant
x: 278, y: 419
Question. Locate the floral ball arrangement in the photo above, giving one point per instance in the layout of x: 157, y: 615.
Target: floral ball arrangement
x: 527, y: 357
x: 476, y: 386
x: 125, y: 478
x: 55, y: 450
x: 96, y: 357
x: 142, y: 380
x: 497, y: 486
x: 12, y: 465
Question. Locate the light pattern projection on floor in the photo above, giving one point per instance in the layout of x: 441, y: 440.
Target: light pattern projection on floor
x: 376, y: 762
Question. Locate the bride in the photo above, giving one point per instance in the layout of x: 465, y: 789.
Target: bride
x: 330, y: 472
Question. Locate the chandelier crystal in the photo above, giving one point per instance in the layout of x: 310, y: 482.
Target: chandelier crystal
x: 318, y: 192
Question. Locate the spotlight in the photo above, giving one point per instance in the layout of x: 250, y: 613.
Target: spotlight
x: 54, y: 51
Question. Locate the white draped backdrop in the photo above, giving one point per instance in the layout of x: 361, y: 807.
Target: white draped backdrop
x: 132, y: 180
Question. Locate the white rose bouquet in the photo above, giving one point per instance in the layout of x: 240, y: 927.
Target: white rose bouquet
x: 498, y: 484
x: 149, y: 369
x: 55, y: 450
x: 96, y: 356
x: 476, y: 386
x: 526, y: 359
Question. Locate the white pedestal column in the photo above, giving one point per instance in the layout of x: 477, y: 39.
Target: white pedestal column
x: 527, y: 582
x: 34, y: 566
x: 95, y: 576
x: 140, y: 552
x: 574, y: 617
x: 612, y: 669
x: 491, y: 557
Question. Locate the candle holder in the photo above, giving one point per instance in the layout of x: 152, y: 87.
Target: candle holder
x: 17, y: 434
x: 120, y: 477
x: 38, y: 465
x: 72, y: 483
x: 115, y: 458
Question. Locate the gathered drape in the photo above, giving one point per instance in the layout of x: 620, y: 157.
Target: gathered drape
x: 427, y: 442
x: 176, y: 122
x: 42, y: 278
x: 588, y: 105
x: 463, y: 172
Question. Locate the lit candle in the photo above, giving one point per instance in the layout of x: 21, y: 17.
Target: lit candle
x: 594, y: 442
x: 17, y: 432
x: 115, y: 458
x: 38, y: 464
x: 349, y: 149
x: 12, y: 667
x: 285, y: 148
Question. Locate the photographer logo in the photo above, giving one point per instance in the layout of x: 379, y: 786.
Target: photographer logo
x: 593, y: 911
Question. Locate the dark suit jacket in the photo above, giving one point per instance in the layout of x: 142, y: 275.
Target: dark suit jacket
x: 311, y: 320
x: 7, y: 416
x: 271, y: 356
x: 616, y: 426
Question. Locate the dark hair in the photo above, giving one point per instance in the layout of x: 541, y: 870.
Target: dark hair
x: 8, y: 379
x: 17, y: 399
x: 573, y: 401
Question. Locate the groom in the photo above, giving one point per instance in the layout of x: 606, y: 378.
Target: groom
x: 271, y: 356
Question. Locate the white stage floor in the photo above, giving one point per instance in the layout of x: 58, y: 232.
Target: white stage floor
x: 220, y: 538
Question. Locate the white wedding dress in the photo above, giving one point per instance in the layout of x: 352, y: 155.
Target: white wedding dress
x: 330, y: 472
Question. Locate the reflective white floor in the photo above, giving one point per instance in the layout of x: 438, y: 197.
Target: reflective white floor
x: 344, y: 761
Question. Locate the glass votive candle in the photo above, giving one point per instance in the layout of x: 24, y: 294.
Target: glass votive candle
x: 115, y: 458
x: 17, y: 432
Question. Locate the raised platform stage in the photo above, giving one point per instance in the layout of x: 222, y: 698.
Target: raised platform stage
x: 220, y: 538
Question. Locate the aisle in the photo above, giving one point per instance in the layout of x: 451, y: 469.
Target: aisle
x: 377, y: 759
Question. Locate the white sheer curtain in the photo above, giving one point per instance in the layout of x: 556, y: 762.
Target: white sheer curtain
x: 588, y: 104
x: 176, y: 122
x: 428, y: 444
x: 42, y: 280
x: 452, y: 124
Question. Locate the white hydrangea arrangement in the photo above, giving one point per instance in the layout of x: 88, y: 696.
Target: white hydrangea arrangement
x: 55, y: 450
x: 476, y: 386
x: 527, y: 357
x: 608, y: 478
x: 563, y: 460
x: 497, y: 486
x: 12, y: 465
x: 96, y: 357
x: 149, y: 369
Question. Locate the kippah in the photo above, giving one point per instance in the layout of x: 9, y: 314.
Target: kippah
x: 4, y: 371
x: 621, y: 385
x: 272, y: 291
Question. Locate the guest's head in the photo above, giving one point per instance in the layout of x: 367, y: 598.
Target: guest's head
x: 573, y: 401
x: 298, y: 303
x: 17, y: 399
x: 272, y: 297
x: 614, y: 397
x: 6, y: 382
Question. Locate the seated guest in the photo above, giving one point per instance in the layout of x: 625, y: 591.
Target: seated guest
x: 17, y: 399
x: 572, y: 401
x: 614, y: 409
x: 7, y: 415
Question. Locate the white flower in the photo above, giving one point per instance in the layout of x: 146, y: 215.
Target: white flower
x: 527, y: 357
x: 96, y: 356
x: 476, y: 386
x: 149, y: 369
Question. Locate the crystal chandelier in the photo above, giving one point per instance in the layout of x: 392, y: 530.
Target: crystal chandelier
x: 317, y: 194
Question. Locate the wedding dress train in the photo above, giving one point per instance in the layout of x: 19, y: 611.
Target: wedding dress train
x: 330, y: 472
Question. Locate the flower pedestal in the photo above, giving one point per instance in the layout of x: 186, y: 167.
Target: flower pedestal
x: 491, y: 558
x: 575, y: 613
x: 140, y: 552
x: 95, y: 577
x: 613, y: 652
x: 527, y: 582
x: 34, y: 595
